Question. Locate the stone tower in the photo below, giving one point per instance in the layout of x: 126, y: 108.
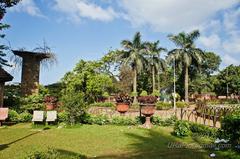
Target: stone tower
x: 30, y: 70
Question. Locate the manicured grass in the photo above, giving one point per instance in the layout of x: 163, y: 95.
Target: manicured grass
x: 96, y: 142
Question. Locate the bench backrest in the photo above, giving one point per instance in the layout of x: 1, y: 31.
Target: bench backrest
x: 51, y: 115
x: 37, y: 116
x: 3, y: 113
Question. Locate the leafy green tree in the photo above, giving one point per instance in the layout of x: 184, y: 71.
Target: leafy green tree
x: 210, y: 63
x: 201, y: 81
x: 88, y: 78
x: 133, y: 56
x: 155, y: 63
x: 186, y: 54
x: 228, y: 78
x: 125, y: 82
x: 4, y: 4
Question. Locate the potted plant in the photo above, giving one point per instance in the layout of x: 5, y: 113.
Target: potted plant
x: 123, y: 102
x: 50, y: 102
x: 147, y: 104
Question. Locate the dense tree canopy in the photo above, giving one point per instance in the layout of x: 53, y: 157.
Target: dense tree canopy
x: 227, y: 82
x: 88, y: 78
x: 4, y: 4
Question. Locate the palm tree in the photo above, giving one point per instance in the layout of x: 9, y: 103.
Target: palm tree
x: 133, y: 56
x: 155, y: 62
x: 186, y: 54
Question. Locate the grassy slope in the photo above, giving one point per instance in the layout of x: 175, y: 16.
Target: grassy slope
x: 95, y: 141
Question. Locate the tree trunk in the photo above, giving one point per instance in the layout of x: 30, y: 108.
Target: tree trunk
x: 158, y: 75
x: 153, y: 78
x: 135, y: 85
x: 186, y: 83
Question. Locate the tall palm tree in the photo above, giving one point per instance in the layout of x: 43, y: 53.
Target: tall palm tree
x: 155, y: 63
x: 186, y: 54
x: 132, y: 55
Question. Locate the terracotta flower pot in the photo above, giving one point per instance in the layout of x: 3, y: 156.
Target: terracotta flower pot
x: 147, y: 110
x: 122, y: 107
x: 50, y: 106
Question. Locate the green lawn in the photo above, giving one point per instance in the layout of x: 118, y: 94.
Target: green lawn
x: 96, y: 142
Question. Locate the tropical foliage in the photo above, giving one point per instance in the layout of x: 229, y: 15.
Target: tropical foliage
x: 186, y: 55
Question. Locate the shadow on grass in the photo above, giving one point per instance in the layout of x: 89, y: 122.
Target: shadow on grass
x: 157, y: 145
x: 4, y: 146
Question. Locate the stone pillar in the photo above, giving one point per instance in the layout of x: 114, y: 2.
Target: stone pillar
x: 1, y: 93
x: 30, y: 70
x: 30, y: 75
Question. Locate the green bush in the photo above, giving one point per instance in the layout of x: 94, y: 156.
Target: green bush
x: 105, y: 95
x: 134, y: 94
x: 25, y: 117
x: 181, y: 129
x: 203, y: 130
x: 157, y: 120
x: 63, y: 117
x: 163, y: 105
x: 53, y: 154
x: 143, y: 93
x: 181, y: 104
x: 230, y: 128
x: 13, y: 116
x: 32, y: 102
x: 169, y: 121
x: 123, y: 121
x: 99, y: 120
x: 74, y: 105
x: 156, y: 93
x: 103, y: 104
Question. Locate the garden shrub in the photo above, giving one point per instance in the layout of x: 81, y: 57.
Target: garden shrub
x: 156, y: 93
x: 160, y: 105
x: 53, y: 154
x: 99, y: 120
x: 123, y: 121
x: 33, y: 102
x: 181, y: 129
x: 143, y: 93
x: 63, y: 117
x: 103, y: 104
x: 169, y: 121
x: 25, y: 117
x: 203, y: 130
x: 13, y: 116
x: 230, y: 128
x: 140, y: 120
x: 180, y: 104
x: 12, y: 96
x: 74, y: 105
x: 157, y: 120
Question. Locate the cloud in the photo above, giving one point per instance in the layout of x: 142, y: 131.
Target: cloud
x: 232, y: 45
x: 211, y: 41
x: 78, y: 9
x: 173, y: 15
x: 228, y: 60
x: 29, y: 7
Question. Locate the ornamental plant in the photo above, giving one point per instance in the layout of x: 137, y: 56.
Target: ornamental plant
x: 123, y: 98
x: 147, y: 99
x: 181, y: 129
x: 50, y: 99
